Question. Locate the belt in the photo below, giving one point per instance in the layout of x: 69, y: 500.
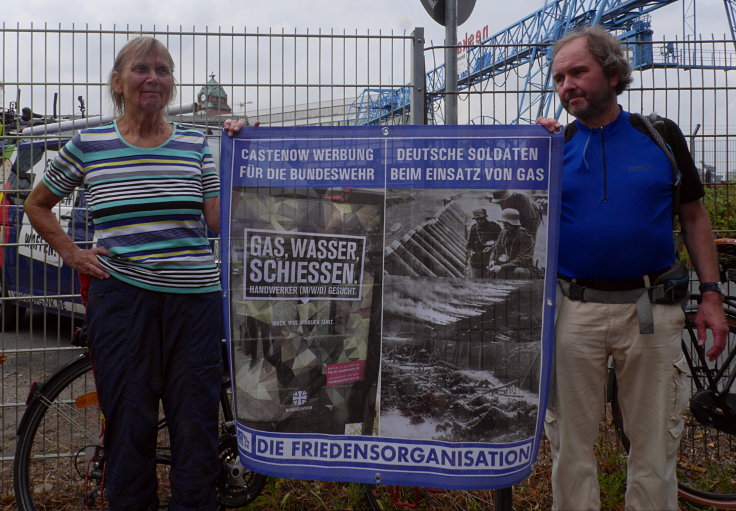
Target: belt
x: 639, y: 296
x: 579, y: 293
x: 616, y: 285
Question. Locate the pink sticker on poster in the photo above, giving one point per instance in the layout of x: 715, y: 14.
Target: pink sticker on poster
x: 347, y: 372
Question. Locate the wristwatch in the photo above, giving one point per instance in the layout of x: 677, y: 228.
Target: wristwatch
x: 711, y: 286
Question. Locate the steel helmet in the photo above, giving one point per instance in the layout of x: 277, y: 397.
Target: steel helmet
x: 510, y: 216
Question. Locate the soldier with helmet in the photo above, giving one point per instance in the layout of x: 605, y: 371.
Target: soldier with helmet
x: 481, y: 240
x: 512, y: 257
x: 529, y: 214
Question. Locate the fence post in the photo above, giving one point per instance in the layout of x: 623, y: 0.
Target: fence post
x: 451, y: 62
x: 418, y: 79
x: 504, y: 499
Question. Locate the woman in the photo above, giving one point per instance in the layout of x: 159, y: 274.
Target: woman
x: 154, y: 314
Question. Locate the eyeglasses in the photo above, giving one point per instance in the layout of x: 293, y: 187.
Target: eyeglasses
x: 143, y: 70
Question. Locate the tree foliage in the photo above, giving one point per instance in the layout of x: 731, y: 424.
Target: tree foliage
x: 720, y: 202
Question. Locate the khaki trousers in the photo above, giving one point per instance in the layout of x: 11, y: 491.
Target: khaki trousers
x: 651, y: 372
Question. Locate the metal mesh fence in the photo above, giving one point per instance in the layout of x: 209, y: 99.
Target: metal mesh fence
x: 51, y: 74
x: 283, y: 79
x: 690, y: 82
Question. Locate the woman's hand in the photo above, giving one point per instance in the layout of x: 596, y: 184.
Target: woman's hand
x: 85, y: 261
x: 233, y: 126
x: 38, y: 207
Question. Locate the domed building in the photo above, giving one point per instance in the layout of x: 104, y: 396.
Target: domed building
x: 212, y: 98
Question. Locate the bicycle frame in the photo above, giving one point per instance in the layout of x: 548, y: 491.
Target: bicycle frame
x: 714, y: 375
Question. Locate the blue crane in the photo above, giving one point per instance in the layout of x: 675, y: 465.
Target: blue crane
x: 525, y: 44
x: 731, y: 15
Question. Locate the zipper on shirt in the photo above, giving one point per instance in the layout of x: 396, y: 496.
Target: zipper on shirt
x: 605, y: 178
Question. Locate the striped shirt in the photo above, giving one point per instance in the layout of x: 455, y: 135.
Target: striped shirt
x: 146, y: 205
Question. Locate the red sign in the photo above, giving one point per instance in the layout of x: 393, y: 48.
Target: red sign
x: 347, y: 372
x: 472, y: 38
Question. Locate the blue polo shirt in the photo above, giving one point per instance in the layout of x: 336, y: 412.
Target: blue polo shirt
x: 617, y: 190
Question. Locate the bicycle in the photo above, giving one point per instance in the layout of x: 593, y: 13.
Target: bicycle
x: 706, y: 467
x: 59, y: 458
x: 61, y: 430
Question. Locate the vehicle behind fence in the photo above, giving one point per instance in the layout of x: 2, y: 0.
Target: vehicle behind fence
x: 280, y: 79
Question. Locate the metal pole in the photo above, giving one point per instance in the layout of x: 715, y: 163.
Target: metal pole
x: 91, y: 122
x: 418, y: 78
x: 504, y: 499
x: 450, y: 62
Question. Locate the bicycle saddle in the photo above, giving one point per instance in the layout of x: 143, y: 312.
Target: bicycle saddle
x: 716, y: 411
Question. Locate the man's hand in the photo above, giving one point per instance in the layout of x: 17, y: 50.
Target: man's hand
x: 702, y: 252
x: 710, y: 315
x: 551, y: 124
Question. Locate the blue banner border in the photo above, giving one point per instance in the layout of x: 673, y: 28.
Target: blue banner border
x: 400, y: 475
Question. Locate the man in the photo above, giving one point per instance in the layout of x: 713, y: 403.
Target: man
x: 482, y: 238
x: 512, y: 258
x: 615, y: 243
x: 529, y: 213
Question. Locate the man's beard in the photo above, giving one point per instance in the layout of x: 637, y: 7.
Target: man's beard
x: 596, y: 103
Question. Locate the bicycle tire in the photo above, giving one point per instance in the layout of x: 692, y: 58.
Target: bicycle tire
x: 61, y: 420
x: 706, y: 469
x: 237, y: 486
x: 59, y: 434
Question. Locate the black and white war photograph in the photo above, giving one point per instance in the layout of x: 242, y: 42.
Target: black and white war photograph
x: 463, y: 304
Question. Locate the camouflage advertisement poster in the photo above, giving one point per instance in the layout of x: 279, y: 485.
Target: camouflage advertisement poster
x: 389, y: 298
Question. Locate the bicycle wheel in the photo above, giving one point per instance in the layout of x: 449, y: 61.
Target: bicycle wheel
x: 59, y: 444
x: 59, y: 455
x: 237, y: 486
x: 706, y: 468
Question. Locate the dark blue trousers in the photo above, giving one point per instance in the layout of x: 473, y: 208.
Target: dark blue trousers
x: 148, y: 347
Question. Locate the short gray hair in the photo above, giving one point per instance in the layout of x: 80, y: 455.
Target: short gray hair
x: 138, y: 47
x: 605, y: 49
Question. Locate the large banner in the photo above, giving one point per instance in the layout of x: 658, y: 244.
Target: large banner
x: 389, y: 297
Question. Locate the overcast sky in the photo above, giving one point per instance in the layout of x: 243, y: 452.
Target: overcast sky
x: 386, y: 15
x: 292, y: 16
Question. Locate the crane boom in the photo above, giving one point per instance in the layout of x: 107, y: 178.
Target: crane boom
x: 525, y: 45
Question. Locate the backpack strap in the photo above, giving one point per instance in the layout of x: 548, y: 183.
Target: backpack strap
x: 656, y: 129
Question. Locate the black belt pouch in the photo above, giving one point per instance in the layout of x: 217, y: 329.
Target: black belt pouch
x: 671, y: 287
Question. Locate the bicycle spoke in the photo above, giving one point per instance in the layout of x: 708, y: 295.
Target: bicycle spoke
x: 68, y: 411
